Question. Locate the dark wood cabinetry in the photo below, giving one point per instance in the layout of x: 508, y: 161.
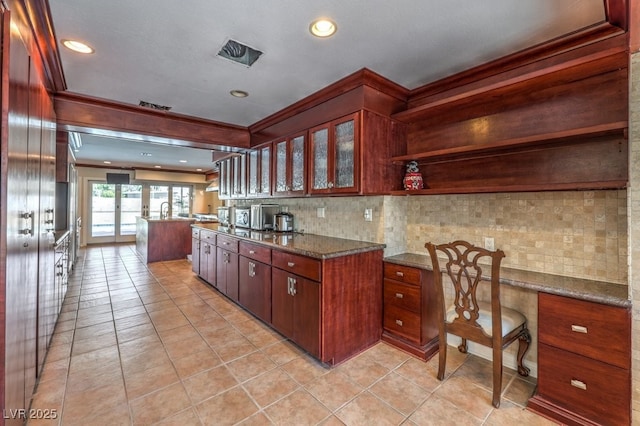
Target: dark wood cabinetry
x: 226, y: 268
x: 410, y: 316
x: 584, y: 361
x: 207, y: 257
x: 195, y: 251
x: 259, y: 172
x: 289, y: 165
x: 254, y: 281
x: 296, y: 300
x: 334, y: 151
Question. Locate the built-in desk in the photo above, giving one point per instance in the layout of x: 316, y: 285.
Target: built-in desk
x: 163, y: 239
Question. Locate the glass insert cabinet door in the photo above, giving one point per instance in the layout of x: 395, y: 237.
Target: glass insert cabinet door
x: 290, y: 171
x: 335, y: 155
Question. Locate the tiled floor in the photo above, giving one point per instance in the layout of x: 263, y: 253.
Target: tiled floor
x: 146, y: 344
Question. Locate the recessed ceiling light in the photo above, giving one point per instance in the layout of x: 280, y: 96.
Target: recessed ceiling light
x: 158, y: 167
x: 107, y: 162
x: 183, y: 161
x: 198, y: 170
x: 323, y: 27
x: 77, y: 46
x: 239, y: 93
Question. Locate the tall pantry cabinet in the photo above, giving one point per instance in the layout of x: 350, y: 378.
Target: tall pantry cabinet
x: 27, y: 191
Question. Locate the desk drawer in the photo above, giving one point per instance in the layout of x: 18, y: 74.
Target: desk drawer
x: 406, y: 274
x: 299, y: 265
x: 208, y: 236
x: 594, y: 330
x: 402, y: 322
x: 255, y: 252
x: 228, y: 243
x: 404, y: 296
x: 593, y: 389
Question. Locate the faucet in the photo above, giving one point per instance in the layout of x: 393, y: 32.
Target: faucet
x: 164, y: 214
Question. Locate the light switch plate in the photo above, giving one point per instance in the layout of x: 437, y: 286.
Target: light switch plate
x: 320, y: 212
x: 368, y: 215
x: 489, y: 243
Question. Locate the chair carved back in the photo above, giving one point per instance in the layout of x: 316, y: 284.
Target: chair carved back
x: 463, y: 267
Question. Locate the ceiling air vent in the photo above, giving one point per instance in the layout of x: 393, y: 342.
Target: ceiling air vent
x: 154, y: 106
x: 240, y: 53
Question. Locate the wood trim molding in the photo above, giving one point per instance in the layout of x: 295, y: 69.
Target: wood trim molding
x: 86, y: 114
x: 634, y: 26
x: 616, y: 13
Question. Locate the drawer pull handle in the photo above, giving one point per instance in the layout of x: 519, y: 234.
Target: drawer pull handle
x: 400, y: 274
x: 291, y: 264
x: 578, y: 328
x: 399, y: 295
x: 252, y: 252
x: 578, y: 384
x: 399, y: 322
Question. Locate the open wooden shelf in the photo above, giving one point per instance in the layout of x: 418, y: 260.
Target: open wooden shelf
x: 584, y: 186
x: 608, y: 129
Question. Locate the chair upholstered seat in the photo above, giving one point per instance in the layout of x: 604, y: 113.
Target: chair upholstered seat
x: 511, y: 319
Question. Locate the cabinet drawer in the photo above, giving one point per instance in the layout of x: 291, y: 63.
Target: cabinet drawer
x: 228, y: 243
x: 300, y: 265
x: 195, y: 233
x: 594, y: 330
x: 208, y: 236
x: 402, y: 322
x: 256, y: 252
x: 404, y: 296
x: 593, y: 389
x: 402, y: 273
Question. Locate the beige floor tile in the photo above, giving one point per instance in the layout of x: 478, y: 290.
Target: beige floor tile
x: 304, y: 369
x: 233, y: 349
x: 262, y: 338
x: 511, y: 414
x: 94, y: 331
x: 177, y: 334
x: 283, y: 352
x: 188, y: 417
x: 55, y: 371
x: 132, y: 321
x: 419, y: 373
x: 159, y: 405
x: 480, y: 372
x: 227, y: 408
x: 129, y: 312
x: 333, y: 389
x: 88, y: 345
x: 209, y: 383
x: 366, y: 409
x: 145, y: 361
x: 363, y: 369
x: 466, y: 396
x: 440, y: 412
x: 91, y: 360
x: 400, y: 393
x: 258, y: 419
x: 270, y: 387
x: 150, y: 380
x: 250, y: 366
x: 136, y: 332
x: 387, y: 356
x: 287, y: 410
x: 519, y: 391
x: 181, y: 348
x: 196, y: 362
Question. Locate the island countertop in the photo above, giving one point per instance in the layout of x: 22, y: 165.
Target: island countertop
x: 311, y: 245
x: 595, y: 291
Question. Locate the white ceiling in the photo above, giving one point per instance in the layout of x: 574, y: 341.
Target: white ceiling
x: 164, y: 52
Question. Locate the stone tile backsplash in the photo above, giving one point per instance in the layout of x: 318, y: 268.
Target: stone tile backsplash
x: 574, y: 233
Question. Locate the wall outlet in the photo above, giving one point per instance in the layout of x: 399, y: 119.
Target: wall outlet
x: 368, y: 215
x: 320, y: 212
x: 489, y: 243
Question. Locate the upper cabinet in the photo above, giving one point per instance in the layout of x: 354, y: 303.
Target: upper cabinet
x: 259, y: 172
x: 289, y: 165
x: 334, y: 150
x: 239, y: 176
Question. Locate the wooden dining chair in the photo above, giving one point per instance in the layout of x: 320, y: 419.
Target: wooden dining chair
x: 488, y: 324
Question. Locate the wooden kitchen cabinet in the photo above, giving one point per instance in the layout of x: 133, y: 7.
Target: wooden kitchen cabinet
x: 334, y: 153
x: 207, y: 258
x: 195, y: 251
x: 289, y: 165
x: 410, y: 318
x: 259, y: 172
x: 227, y: 266
x: 224, y: 183
x: 238, y: 176
x: 254, y: 282
x: 296, y: 309
x: 584, y: 360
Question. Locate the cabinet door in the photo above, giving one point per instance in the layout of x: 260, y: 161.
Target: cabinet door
x: 281, y: 302
x: 280, y: 168
x: 297, y: 166
x: 306, y: 314
x: 335, y: 156
x: 290, y: 170
x: 239, y: 176
x: 265, y: 171
x: 253, y: 176
x: 224, y: 184
x: 221, y: 270
x: 195, y: 255
x: 232, y: 275
x: 254, y: 287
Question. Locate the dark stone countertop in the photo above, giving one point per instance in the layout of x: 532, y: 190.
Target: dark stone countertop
x: 311, y: 245
x: 608, y: 293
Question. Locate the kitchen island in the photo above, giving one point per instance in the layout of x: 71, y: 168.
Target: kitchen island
x: 163, y: 239
x: 323, y: 293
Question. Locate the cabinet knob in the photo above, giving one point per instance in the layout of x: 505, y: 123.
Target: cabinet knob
x: 578, y: 384
x: 399, y: 296
x: 400, y: 274
x: 399, y: 322
x: 252, y: 252
x: 291, y: 264
x: 578, y: 329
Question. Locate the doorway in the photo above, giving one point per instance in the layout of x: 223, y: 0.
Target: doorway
x: 113, y: 210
